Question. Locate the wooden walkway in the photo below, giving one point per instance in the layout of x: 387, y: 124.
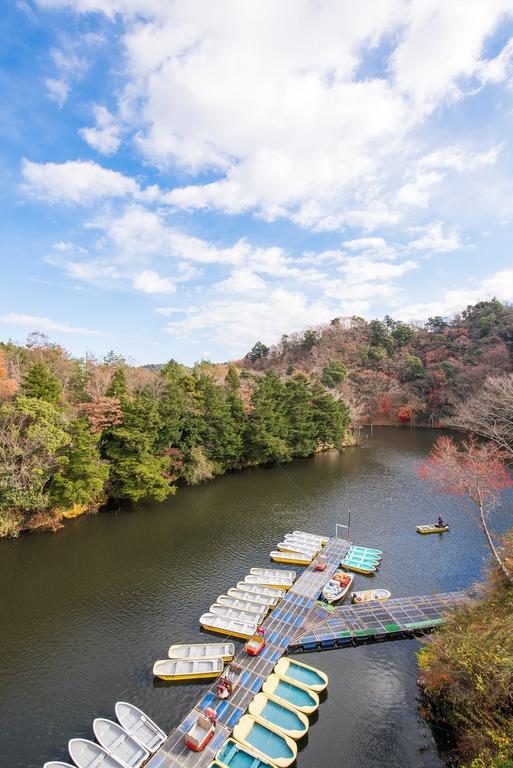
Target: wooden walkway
x: 300, y: 623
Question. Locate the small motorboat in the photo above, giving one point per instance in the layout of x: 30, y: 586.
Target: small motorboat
x: 202, y: 650
x: 188, y: 669
x: 370, y: 596
x: 140, y: 726
x: 89, y: 754
x: 226, y: 626
x: 273, y: 572
x: 234, y: 755
x: 243, y: 605
x: 433, y: 528
x: 337, y: 588
x: 283, y: 717
x: 282, y: 582
x: 296, y: 695
x: 256, y: 642
x: 201, y: 730
x: 264, y: 739
x: 119, y: 743
x: 298, y: 672
x: 294, y: 558
x: 236, y: 613
x: 261, y: 589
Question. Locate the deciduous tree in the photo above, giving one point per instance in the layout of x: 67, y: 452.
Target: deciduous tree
x: 474, y: 471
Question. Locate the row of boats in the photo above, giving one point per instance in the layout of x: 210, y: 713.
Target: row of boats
x: 127, y: 743
x: 277, y: 717
x: 298, y: 548
x: 357, y: 560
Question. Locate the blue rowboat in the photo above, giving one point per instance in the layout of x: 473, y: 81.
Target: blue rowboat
x: 358, y: 567
x: 304, y: 674
x: 265, y: 740
x: 296, y: 695
x: 366, y: 550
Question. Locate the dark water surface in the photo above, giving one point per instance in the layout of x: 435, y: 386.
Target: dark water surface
x: 86, y: 611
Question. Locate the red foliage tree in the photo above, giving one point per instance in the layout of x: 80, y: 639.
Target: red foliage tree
x: 471, y: 470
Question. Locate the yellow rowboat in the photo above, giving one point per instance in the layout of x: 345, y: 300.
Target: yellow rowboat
x: 297, y: 544
x: 202, y: 650
x: 253, y: 606
x: 226, y: 626
x: 273, y: 572
x: 432, y: 528
x: 296, y: 558
x: 236, y: 613
x: 261, y: 589
x: 293, y: 694
x: 282, y: 582
x: 259, y: 736
x: 304, y: 674
x: 188, y: 669
x: 305, y: 549
x: 281, y: 716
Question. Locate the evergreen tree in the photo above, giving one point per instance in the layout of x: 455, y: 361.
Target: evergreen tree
x: 83, y: 475
x: 41, y: 384
x: 299, y: 413
x: 267, y: 434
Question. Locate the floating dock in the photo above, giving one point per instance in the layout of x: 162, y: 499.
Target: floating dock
x: 300, y: 623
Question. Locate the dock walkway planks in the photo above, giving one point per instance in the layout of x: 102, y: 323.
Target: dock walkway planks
x: 299, y: 623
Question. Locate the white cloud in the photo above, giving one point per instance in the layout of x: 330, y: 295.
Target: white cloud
x: 434, y: 240
x: 75, y: 182
x: 45, y: 324
x: 105, y: 137
x: 150, y: 282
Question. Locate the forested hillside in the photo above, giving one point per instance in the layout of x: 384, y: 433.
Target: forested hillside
x: 78, y: 433
x: 75, y: 434
x: 391, y: 373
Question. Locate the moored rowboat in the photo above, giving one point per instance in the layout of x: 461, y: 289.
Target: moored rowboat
x: 261, y: 589
x: 188, y: 669
x: 251, y: 594
x: 253, y: 606
x: 119, y: 743
x: 297, y: 558
x: 265, y: 740
x: 273, y: 572
x: 298, y: 672
x: 202, y: 651
x: 236, y: 613
x: 296, y: 695
x: 88, y: 754
x: 227, y: 626
x: 234, y: 755
x: 140, y: 726
x: 280, y: 715
x: 283, y: 582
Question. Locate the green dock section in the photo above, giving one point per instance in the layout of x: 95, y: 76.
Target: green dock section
x: 300, y: 623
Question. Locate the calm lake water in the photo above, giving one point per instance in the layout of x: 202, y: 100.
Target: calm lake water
x: 86, y: 611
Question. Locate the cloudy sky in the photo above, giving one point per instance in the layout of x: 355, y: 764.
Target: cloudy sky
x: 183, y: 178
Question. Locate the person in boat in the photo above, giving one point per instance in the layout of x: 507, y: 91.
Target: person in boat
x: 440, y: 523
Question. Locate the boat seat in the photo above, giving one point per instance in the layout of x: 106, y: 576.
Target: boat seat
x: 204, y: 722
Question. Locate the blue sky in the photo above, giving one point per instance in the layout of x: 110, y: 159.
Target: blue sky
x: 183, y: 178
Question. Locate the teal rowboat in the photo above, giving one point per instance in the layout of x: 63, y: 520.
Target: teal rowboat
x: 262, y: 738
x: 297, y: 672
x: 282, y: 716
x: 294, y: 694
x: 234, y: 755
